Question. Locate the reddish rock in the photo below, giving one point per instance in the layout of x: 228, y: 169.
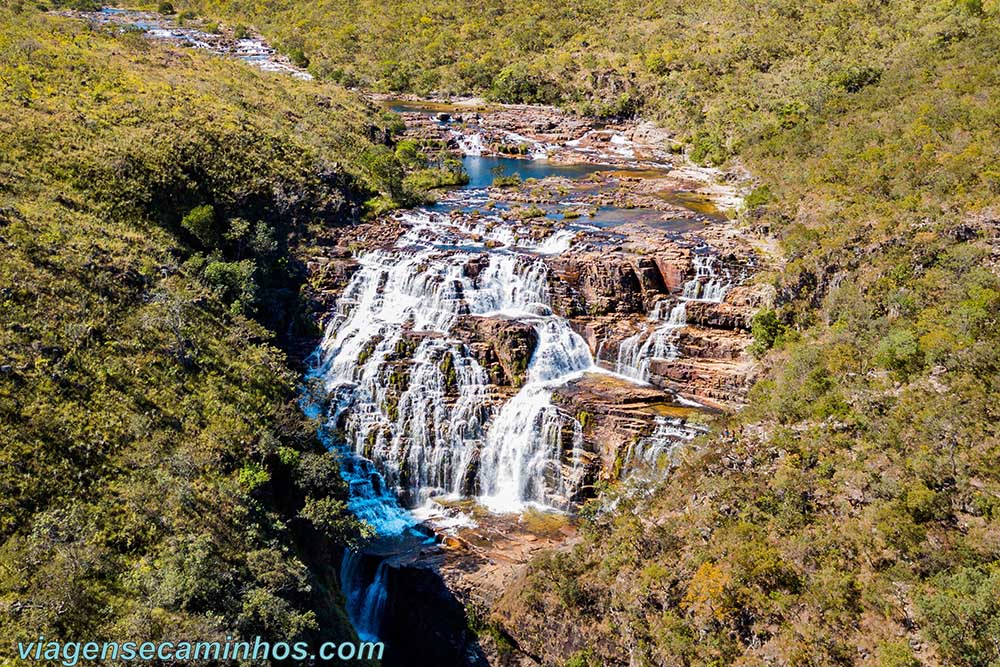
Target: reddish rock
x: 503, y: 347
x: 724, y: 383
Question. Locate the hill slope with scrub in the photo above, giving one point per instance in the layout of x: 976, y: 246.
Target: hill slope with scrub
x: 157, y: 477
x: 849, y: 515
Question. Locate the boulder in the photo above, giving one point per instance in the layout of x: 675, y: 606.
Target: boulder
x: 503, y: 347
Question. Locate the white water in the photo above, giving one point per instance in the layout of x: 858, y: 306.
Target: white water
x: 365, y: 599
x: 658, y: 341
x: 521, y: 461
x: 470, y: 144
x: 650, y: 455
x: 413, y: 400
x: 707, y: 284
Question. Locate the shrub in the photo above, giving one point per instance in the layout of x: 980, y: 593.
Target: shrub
x: 202, y: 224
x: 396, y: 75
x: 623, y: 106
x: 962, y: 616
x: 708, y: 149
x: 165, y: 8
x: 854, y: 79
x: 252, y: 477
x: 765, y: 328
x: 298, y: 57
x: 234, y: 282
x: 515, y: 84
x: 896, y: 654
x: 408, y: 152
x: 759, y: 196
x: 898, y: 351
x: 333, y: 518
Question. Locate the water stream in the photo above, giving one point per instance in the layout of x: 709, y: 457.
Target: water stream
x: 404, y: 401
x: 410, y: 407
x: 657, y: 340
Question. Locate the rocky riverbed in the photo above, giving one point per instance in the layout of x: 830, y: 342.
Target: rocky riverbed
x: 633, y: 250
x: 571, y: 318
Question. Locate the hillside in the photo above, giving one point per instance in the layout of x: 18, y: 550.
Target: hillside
x: 849, y: 515
x: 157, y: 477
x: 155, y: 208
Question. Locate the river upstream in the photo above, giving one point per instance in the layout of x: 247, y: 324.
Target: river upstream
x: 512, y: 346
x: 493, y: 356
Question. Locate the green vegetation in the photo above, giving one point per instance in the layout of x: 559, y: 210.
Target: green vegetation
x: 157, y: 477
x: 849, y: 516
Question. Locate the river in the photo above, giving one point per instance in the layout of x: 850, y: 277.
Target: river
x: 438, y: 429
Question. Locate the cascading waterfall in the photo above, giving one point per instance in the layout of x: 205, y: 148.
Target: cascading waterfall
x: 408, y: 404
x: 437, y: 441
x: 654, y: 452
x: 520, y: 462
x: 659, y: 342
x: 414, y: 401
x: 637, y: 351
x: 707, y: 284
x: 365, y: 599
x: 470, y: 144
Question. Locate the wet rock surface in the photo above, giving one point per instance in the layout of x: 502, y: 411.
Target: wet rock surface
x: 600, y: 319
x: 502, y: 346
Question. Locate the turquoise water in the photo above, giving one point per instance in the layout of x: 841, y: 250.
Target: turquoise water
x: 480, y: 169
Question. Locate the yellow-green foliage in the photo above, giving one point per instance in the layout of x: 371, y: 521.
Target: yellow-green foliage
x: 860, y: 508
x: 146, y: 486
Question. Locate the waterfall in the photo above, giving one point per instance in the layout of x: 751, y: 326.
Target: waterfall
x: 412, y: 403
x: 521, y: 459
x: 654, y: 452
x: 707, y: 284
x: 470, y: 144
x: 659, y: 341
x: 436, y: 438
x: 637, y: 351
x: 365, y: 600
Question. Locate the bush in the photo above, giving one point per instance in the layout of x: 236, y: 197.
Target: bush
x: 623, y: 106
x: 765, y: 328
x: 408, y: 152
x: 396, y: 75
x: 233, y: 282
x: 896, y: 654
x: 298, y: 57
x: 708, y: 148
x: 165, y: 8
x: 516, y: 85
x: 201, y: 223
x: 758, y: 197
x: 385, y: 172
x: 855, y: 78
x: 899, y: 351
x: 962, y: 616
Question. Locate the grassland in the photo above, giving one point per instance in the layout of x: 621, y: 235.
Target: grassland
x: 157, y: 477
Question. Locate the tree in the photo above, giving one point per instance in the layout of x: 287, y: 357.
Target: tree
x: 201, y: 223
